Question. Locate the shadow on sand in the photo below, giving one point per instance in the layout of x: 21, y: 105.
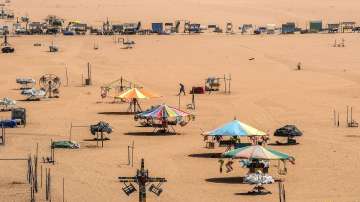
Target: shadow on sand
x: 252, y: 193
x: 94, y: 139
x: 116, y: 113
x: 206, y: 155
x: 226, y: 180
x: 283, y: 144
x: 150, y: 134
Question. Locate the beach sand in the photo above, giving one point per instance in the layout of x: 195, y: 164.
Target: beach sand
x: 267, y: 93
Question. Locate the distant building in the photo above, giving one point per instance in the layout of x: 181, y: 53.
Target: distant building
x: 316, y: 26
x: 288, y: 28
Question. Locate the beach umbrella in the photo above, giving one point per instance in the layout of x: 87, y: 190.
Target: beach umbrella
x: 288, y: 131
x: 165, y: 112
x: 256, y: 152
x: 235, y: 128
x: 133, y: 95
x: 136, y: 93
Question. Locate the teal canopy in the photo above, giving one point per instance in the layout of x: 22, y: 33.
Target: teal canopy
x: 235, y: 128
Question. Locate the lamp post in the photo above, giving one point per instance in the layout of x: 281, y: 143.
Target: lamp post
x: 142, y: 178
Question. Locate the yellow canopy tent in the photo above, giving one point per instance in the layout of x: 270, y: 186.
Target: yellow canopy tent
x: 133, y: 95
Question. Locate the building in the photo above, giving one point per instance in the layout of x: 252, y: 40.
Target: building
x: 315, y: 26
x: 157, y: 27
x: 288, y: 28
x: 333, y: 27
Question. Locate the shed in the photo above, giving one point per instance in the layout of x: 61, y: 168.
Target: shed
x: 117, y: 28
x: 315, y: 26
x: 333, y: 27
x: 194, y: 28
x: 288, y: 28
x: 270, y: 28
x: 157, y: 27
x: 347, y: 26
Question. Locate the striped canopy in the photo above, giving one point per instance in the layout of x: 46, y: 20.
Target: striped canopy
x: 136, y: 93
x: 256, y: 152
x: 235, y: 128
x: 164, y: 111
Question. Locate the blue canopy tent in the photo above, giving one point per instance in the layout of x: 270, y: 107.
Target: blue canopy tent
x: 235, y: 128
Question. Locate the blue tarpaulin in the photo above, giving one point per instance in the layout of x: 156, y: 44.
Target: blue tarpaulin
x: 157, y: 27
x: 7, y: 124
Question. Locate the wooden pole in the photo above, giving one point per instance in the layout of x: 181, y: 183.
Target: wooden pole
x: 70, y: 131
x: 67, y: 77
x: 347, y: 115
x: 121, y: 84
x: 280, y: 192
x: 97, y: 138
x: 338, y: 120
x: 132, y: 154
x: 88, y: 70
x: 284, y: 193
x: 193, y: 100
x: 63, y: 189
x: 102, y: 139
x: 128, y: 155
x: 46, y: 184
x: 351, y: 120
x: 41, y: 176
x: 229, y: 83
x: 225, y: 84
x: 49, y: 190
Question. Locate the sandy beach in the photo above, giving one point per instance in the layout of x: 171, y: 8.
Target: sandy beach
x: 267, y: 93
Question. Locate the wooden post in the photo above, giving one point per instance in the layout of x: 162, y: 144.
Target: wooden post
x: 229, y: 83
x: 88, y: 71
x: 41, y: 176
x: 128, y: 155
x: 284, y: 194
x: 225, y: 84
x: 351, y: 120
x: 97, y: 138
x: 121, y: 84
x: 347, y: 115
x: 70, y: 131
x: 280, y: 191
x: 63, y: 189
x: 46, y: 184
x: 52, y: 152
x: 36, y: 170
x: 338, y: 120
x: 193, y: 100
x: 132, y: 154
x: 67, y: 77
x: 102, y: 139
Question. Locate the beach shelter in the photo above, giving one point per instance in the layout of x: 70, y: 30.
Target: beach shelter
x: 133, y: 95
x: 257, y: 152
x: 165, y: 112
x: 235, y: 128
x: 166, y: 116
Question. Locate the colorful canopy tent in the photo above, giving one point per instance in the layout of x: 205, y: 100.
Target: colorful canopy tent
x: 235, y: 128
x: 133, y: 95
x: 166, y: 115
x: 257, y: 152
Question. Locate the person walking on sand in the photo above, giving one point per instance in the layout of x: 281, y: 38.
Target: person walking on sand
x: 182, y: 89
